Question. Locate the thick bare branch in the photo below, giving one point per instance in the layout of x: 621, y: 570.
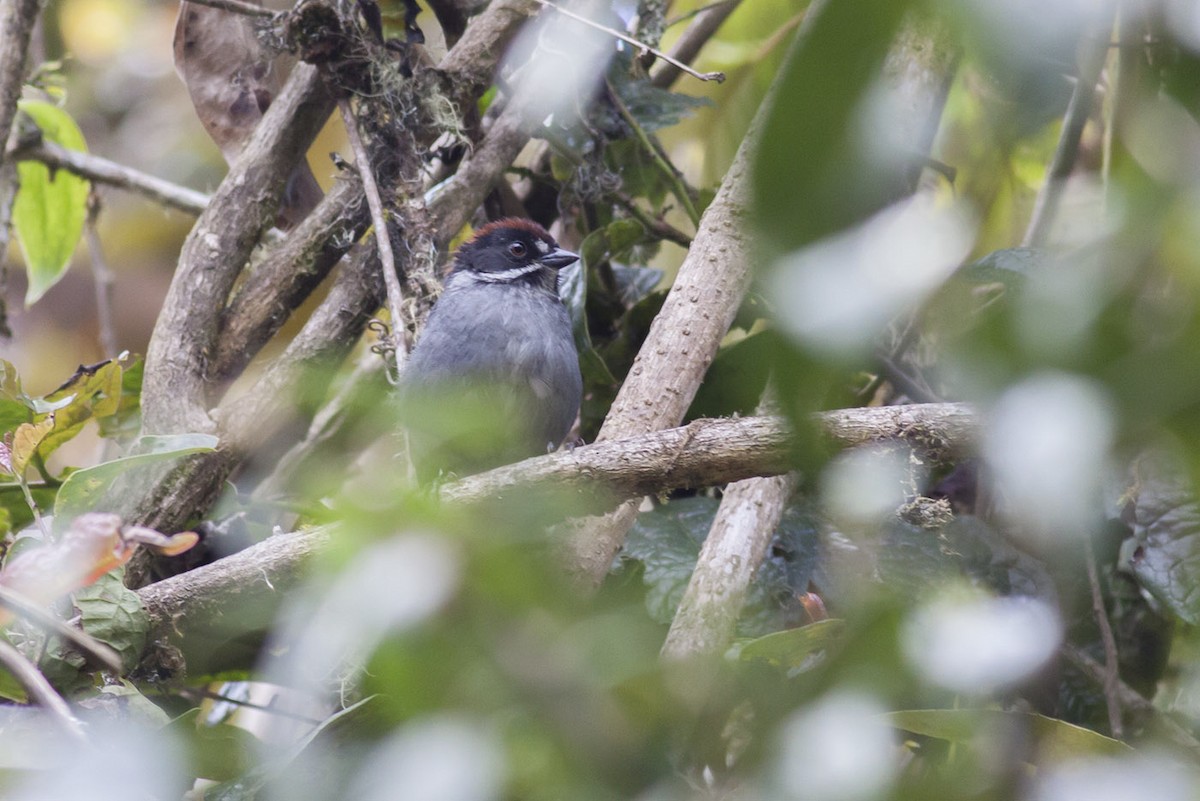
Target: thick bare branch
x: 681, y: 344
x: 207, y: 609
x: 205, y: 620
x: 736, y: 545
x: 17, y: 18
x: 288, y: 275
x: 471, y: 64
x: 175, y: 392
x: 712, y: 452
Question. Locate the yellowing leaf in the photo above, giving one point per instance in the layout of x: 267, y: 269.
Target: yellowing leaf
x: 26, y: 440
x: 50, y: 208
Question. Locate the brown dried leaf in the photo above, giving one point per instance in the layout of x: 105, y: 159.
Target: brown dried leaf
x: 232, y: 79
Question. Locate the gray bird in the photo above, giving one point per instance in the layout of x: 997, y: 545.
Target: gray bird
x: 494, y: 378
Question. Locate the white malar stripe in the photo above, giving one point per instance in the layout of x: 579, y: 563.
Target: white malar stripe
x: 506, y: 276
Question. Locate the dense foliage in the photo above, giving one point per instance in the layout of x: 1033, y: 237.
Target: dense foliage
x: 983, y: 208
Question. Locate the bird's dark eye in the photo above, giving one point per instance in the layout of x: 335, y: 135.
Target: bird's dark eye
x: 517, y: 249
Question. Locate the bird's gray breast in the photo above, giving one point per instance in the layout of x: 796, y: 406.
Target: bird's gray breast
x: 515, y: 336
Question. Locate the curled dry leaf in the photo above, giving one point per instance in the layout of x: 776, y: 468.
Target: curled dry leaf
x: 95, y: 543
x: 232, y: 77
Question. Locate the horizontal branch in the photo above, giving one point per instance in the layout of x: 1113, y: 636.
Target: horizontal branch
x: 712, y: 452
x: 200, y: 620
x: 102, y: 171
x: 213, y: 617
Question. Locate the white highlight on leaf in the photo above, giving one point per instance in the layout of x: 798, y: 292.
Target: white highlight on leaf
x: 388, y: 588
x: 1165, y: 139
x: 865, y: 486
x: 836, y: 295
x: 557, y: 63
x: 444, y: 759
x: 841, y: 749
x: 1140, y: 776
x: 973, y: 643
x: 1047, y: 445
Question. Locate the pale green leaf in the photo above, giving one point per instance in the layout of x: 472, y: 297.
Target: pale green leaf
x: 50, y: 208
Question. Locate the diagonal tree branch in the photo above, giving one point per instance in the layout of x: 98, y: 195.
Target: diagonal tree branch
x: 682, y: 342
x: 694, y: 37
x: 288, y: 275
x: 175, y: 390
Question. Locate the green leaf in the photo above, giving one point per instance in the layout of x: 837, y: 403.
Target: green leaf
x: 635, y: 283
x: 93, y: 391
x: 735, y: 380
x: 1166, y: 528
x: 792, y: 648
x: 1057, y: 739
x: 113, y: 614
x: 666, y: 540
x: 83, y: 488
x: 15, y: 406
x: 125, y: 701
x: 573, y: 288
x: 50, y: 208
x: 218, y: 753
x: 126, y: 421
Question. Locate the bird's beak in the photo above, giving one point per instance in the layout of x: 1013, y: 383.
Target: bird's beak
x: 559, y: 258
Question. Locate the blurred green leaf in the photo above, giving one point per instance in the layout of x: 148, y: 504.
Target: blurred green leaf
x: 813, y: 180
x: 218, y: 753
x: 50, y: 208
x: 1166, y: 560
x: 792, y: 648
x: 1057, y: 740
x: 83, y: 488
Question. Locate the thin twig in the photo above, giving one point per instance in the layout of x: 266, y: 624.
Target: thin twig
x: 656, y: 226
x: 237, y: 7
x: 678, y: 188
x: 1111, y: 667
x: 1079, y: 109
x: 101, y: 170
x: 383, y: 239
x: 907, y: 384
x: 1131, y: 699
x: 194, y: 693
x: 33, y: 507
x: 704, y: 76
x: 37, y: 688
x: 102, y: 276
x: 32, y: 612
x: 708, y: 20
